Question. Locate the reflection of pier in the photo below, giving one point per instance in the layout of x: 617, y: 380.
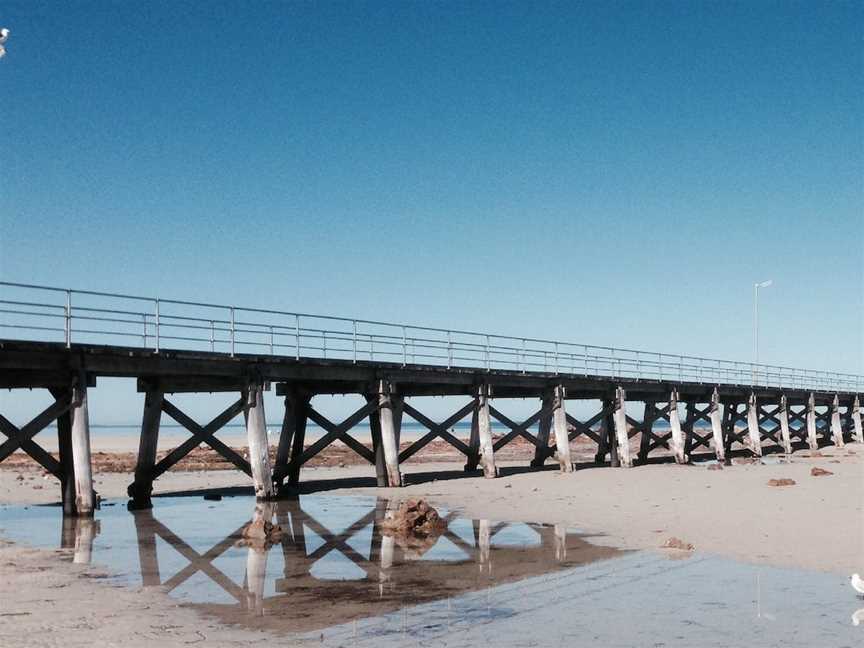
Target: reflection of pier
x: 389, y: 576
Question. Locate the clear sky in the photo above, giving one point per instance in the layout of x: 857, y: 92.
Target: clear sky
x: 602, y: 172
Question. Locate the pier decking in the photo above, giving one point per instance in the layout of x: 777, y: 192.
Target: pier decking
x: 65, y: 340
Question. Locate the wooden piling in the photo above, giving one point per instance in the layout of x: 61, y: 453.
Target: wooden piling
x: 85, y: 500
x: 753, y: 433
x: 64, y: 447
x: 559, y: 425
x: 142, y: 488
x: 389, y: 444
x: 717, y: 426
x: 259, y: 445
x: 544, y: 429
x: 622, y: 438
x: 292, y: 437
x: 812, y: 441
x: 836, y: 427
x: 856, y: 421
x: 677, y: 437
x: 783, y: 415
x: 484, y: 433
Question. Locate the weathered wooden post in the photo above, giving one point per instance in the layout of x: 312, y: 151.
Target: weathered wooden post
x: 389, y: 434
x: 620, y: 418
x: 648, y: 419
x: 559, y: 424
x: 677, y: 437
x: 142, y: 488
x: 259, y: 446
x: 717, y: 426
x: 543, y: 430
x: 484, y: 432
x: 811, y: 422
x: 64, y: 447
x: 291, y: 437
x: 856, y: 421
x: 783, y: 414
x: 753, y: 425
x: 836, y: 427
x: 85, y: 499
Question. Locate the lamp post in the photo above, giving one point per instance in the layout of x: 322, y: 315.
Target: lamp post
x: 756, y: 287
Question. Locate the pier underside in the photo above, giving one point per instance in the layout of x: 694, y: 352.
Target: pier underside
x: 630, y: 421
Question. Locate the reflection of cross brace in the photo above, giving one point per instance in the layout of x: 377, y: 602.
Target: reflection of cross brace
x: 148, y: 528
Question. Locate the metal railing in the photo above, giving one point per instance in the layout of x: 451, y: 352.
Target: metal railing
x: 44, y: 313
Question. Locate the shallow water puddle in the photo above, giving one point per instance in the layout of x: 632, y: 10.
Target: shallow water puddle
x: 335, y: 578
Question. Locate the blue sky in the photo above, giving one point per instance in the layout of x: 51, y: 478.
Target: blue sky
x: 613, y: 173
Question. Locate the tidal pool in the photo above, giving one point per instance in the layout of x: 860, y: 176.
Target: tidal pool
x: 336, y: 579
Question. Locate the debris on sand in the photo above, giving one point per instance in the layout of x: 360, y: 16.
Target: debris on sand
x: 213, y: 497
x: 415, y: 525
x: 413, y: 517
x: 677, y: 543
x: 262, y: 530
x: 820, y: 472
x: 717, y: 466
x: 781, y: 482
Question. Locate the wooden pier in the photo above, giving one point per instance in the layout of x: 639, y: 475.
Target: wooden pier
x: 726, y: 406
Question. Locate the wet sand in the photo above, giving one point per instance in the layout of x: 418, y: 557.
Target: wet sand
x: 817, y: 524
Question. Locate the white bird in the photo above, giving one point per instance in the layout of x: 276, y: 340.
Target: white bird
x: 4, y: 35
x: 857, y: 583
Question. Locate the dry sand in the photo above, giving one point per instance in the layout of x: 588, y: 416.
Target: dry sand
x: 816, y: 524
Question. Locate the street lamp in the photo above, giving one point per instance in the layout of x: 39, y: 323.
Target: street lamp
x: 756, y: 287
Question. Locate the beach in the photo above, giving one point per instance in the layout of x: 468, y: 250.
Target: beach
x: 733, y: 512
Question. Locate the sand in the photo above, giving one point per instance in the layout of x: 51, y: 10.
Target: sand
x: 817, y: 524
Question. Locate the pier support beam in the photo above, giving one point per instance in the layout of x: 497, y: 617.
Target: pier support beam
x: 142, y: 488
x: 858, y: 430
x: 620, y: 418
x: 389, y: 419
x: 64, y: 447
x: 483, y: 422
x: 812, y: 441
x: 292, y: 438
x: 85, y: 499
x: 259, y: 446
x: 559, y: 428
x: 753, y: 426
x: 677, y: 437
x: 717, y: 426
x: 783, y: 415
x: 836, y: 426
x: 543, y: 431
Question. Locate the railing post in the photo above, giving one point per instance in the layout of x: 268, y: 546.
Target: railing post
x: 231, y: 309
x: 404, y: 348
x: 296, y: 337
x: 158, y: 335
x: 354, y: 322
x: 68, y: 323
x: 271, y: 341
x: 324, y: 343
x: 488, y: 365
x: 144, y: 319
x: 449, y: 350
x: 212, y: 335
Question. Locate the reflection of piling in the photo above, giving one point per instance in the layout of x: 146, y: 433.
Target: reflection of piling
x: 145, y: 528
x: 78, y: 534
x: 483, y: 540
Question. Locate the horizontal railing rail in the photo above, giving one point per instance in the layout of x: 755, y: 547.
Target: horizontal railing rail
x: 46, y: 313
